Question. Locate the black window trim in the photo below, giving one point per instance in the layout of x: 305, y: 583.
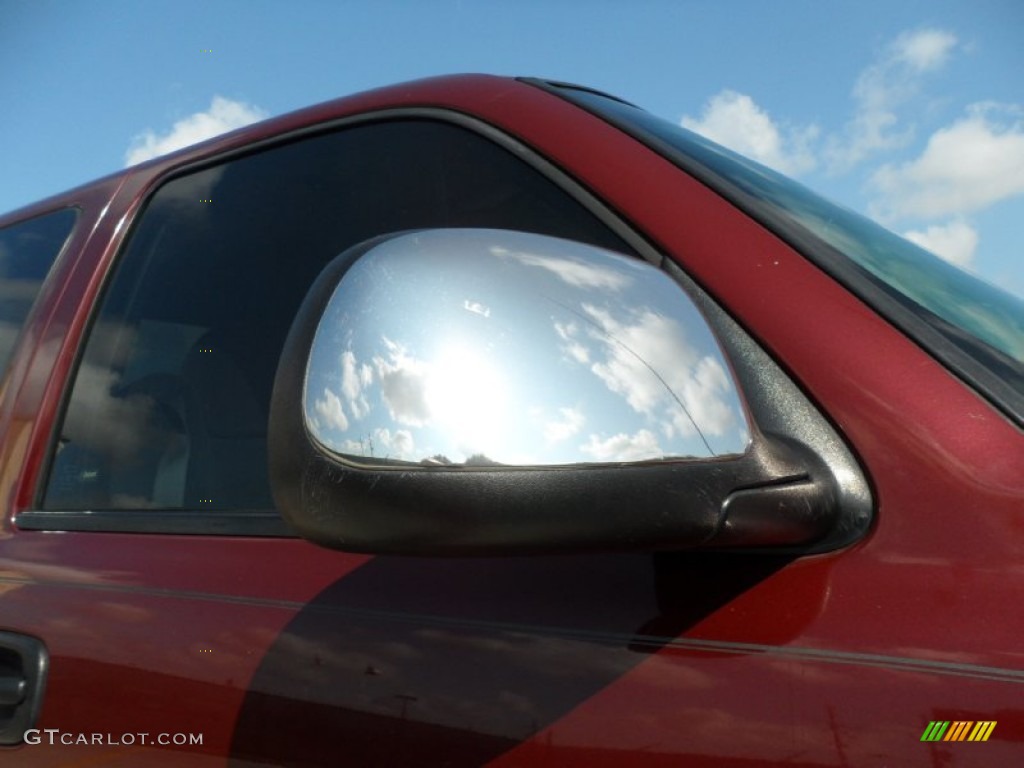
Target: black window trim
x: 268, y: 523
x: 915, y: 322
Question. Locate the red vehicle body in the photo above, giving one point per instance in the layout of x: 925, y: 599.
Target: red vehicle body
x: 279, y: 652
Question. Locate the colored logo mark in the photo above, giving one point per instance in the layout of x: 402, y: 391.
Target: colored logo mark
x: 958, y: 730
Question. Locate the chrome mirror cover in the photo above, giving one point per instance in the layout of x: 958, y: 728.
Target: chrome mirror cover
x: 482, y: 347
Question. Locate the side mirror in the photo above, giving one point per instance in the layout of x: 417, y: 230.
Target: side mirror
x: 487, y: 392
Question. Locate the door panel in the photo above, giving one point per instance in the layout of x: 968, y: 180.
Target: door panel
x: 153, y: 634
x: 454, y: 662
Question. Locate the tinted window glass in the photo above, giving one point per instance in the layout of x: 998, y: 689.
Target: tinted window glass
x: 170, y: 403
x: 27, y: 251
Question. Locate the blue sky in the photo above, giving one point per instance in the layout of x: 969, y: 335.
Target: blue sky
x: 912, y: 112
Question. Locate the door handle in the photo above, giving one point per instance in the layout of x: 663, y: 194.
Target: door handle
x: 12, y: 691
x: 24, y: 662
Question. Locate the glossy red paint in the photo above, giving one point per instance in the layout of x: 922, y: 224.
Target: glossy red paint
x: 836, y: 659
x: 133, y: 626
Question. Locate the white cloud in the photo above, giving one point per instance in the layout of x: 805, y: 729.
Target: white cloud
x: 955, y: 242
x: 102, y: 417
x: 402, y: 442
x: 736, y: 121
x: 397, y: 445
x: 223, y: 115
x: 925, y: 49
x: 354, y: 378
x: 355, y: 448
x: 706, y: 392
x: 113, y: 425
x: 573, y: 349
x: 928, y: 192
x: 622, y: 447
x: 633, y: 354
x: 329, y: 408
x: 575, y: 272
x: 967, y: 166
x: 403, y: 385
x: 572, y: 421
x: 650, y: 363
x: 882, y: 90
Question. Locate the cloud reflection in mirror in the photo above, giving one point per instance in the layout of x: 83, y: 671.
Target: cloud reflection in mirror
x: 479, y: 347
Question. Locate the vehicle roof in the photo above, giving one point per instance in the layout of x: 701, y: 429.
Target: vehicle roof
x: 447, y: 91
